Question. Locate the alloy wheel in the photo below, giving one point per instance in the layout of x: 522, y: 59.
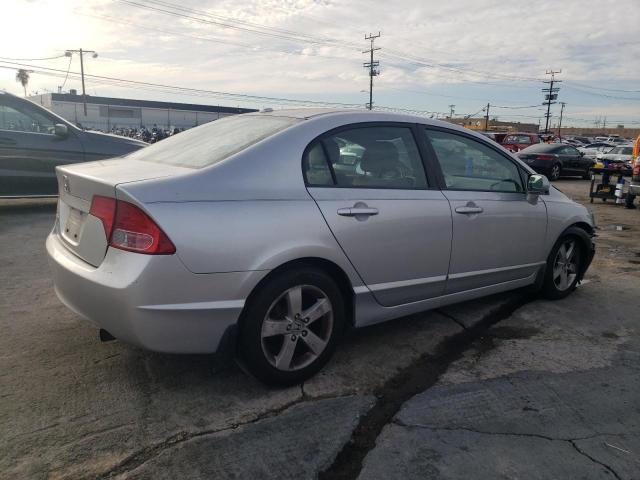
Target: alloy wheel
x: 555, y: 172
x: 297, y: 328
x: 565, y: 265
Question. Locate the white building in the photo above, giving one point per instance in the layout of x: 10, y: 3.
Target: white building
x: 105, y: 113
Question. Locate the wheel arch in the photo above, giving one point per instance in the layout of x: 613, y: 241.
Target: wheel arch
x: 329, y: 267
x: 584, y: 232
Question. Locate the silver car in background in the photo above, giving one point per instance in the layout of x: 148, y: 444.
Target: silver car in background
x: 274, y: 232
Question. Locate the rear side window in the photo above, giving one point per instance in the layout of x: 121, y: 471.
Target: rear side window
x: 366, y: 157
x: 470, y: 165
x: 213, y: 142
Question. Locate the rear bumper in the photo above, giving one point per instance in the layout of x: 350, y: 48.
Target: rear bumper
x: 151, y: 301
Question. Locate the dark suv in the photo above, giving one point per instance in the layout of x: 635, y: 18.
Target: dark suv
x: 34, y: 140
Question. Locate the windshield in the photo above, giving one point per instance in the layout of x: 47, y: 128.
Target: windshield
x: 213, y: 142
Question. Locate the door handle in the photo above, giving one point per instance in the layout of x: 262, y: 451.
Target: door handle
x: 469, y: 210
x: 357, y: 211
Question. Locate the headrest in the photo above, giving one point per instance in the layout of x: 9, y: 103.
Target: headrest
x: 377, y: 156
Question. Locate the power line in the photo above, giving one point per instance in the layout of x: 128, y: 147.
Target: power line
x: 31, y: 59
x: 211, y: 93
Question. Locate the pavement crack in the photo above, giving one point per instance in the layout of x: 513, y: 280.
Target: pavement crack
x: 586, y: 455
x: 570, y: 441
x: 148, y: 453
x: 451, y: 317
x: 422, y: 374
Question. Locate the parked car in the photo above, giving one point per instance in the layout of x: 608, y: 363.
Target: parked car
x: 593, y: 149
x: 514, y: 142
x: 621, y: 154
x: 555, y: 159
x: 34, y: 140
x: 583, y: 140
x: 497, y: 137
x: 634, y: 185
x: 241, y: 233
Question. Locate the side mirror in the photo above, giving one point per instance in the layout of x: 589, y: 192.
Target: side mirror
x: 538, y: 184
x: 61, y: 130
x: 581, y: 153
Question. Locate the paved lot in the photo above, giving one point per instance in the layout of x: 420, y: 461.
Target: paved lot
x: 549, y: 391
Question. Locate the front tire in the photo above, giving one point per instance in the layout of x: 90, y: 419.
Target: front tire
x: 564, y: 267
x: 291, y: 325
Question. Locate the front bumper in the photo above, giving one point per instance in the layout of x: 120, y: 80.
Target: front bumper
x: 151, y: 301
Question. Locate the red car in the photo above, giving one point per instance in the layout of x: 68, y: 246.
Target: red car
x: 515, y: 142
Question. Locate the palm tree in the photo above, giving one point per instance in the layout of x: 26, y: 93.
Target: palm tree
x: 23, y: 77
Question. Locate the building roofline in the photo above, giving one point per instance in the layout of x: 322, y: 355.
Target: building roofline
x: 129, y: 102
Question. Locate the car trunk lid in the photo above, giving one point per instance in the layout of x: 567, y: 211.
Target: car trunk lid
x: 81, y: 232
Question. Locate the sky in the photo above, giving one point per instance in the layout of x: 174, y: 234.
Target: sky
x: 278, y: 53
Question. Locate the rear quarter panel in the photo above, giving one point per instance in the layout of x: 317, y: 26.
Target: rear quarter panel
x: 233, y: 236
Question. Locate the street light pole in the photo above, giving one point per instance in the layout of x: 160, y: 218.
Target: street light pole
x: 81, y: 52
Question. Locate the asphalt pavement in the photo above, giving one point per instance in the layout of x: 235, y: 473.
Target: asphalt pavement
x: 505, y: 387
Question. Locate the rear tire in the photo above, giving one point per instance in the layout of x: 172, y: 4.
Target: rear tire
x: 565, y: 266
x: 587, y: 175
x: 291, y: 325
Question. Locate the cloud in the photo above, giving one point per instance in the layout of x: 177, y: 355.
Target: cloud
x: 435, y: 46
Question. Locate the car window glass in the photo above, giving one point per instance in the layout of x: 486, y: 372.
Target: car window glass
x: 470, y: 165
x: 315, y: 167
x: 24, y: 118
x: 213, y: 142
x: 519, y: 139
x: 375, y: 157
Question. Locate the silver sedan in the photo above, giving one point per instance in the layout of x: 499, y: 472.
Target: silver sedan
x: 272, y: 233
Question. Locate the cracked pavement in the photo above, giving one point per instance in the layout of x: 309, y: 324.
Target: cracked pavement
x: 551, y: 391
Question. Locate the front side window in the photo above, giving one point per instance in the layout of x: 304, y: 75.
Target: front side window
x: 24, y: 118
x: 468, y: 164
x: 367, y: 157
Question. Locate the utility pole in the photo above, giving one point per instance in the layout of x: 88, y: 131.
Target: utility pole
x: 451, y: 110
x: 551, y: 94
x: 486, y: 119
x: 81, y: 52
x: 560, y: 124
x: 372, y: 66
x: 604, y: 125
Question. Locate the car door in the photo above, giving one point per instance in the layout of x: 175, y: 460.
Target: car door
x: 572, y: 160
x: 498, y: 231
x: 369, y: 182
x: 29, y: 149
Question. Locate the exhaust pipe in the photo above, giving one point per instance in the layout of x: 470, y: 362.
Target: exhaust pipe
x: 105, y: 336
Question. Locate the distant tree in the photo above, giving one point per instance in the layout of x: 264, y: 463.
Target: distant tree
x: 23, y: 77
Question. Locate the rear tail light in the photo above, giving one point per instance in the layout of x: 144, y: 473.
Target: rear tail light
x: 544, y: 157
x: 129, y: 228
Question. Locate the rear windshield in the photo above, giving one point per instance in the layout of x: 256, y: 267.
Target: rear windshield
x: 519, y: 139
x: 213, y: 142
x: 541, y: 147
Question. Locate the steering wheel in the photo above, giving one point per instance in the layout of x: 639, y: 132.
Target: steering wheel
x: 506, y: 180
